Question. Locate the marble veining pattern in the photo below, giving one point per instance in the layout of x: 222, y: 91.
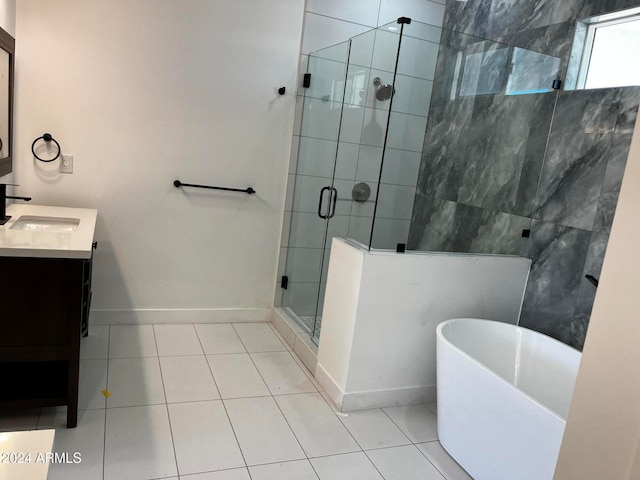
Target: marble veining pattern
x: 612, y: 181
x: 579, y: 9
x: 587, y: 291
x: 571, y: 183
x: 558, y: 254
x: 484, y: 70
x: 585, y: 158
x: 491, y: 18
x: 493, y: 166
x: 434, y: 230
x: 507, y: 16
x: 479, y: 230
x: 627, y: 110
x: 440, y: 171
x: 497, y: 145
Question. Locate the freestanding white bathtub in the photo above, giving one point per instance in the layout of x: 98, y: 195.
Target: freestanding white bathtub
x: 503, y: 397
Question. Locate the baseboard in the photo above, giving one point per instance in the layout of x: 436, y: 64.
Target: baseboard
x: 348, y: 402
x: 300, y: 342
x: 284, y: 326
x: 330, y: 387
x: 388, y: 398
x: 151, y: 316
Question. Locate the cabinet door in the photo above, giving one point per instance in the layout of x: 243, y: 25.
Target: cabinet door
x: 42, y: 301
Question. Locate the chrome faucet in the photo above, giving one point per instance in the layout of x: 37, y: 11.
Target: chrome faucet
x: 3, y: 201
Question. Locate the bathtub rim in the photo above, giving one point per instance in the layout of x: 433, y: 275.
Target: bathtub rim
x: 440, y: 336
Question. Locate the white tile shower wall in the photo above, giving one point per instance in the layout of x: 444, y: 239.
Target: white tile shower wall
x: 364, y: 12
x: 330, y: 22
x: 431, y: 12
x: 321, y: 31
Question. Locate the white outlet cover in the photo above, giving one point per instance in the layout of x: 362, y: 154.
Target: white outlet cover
x: 66, y: 163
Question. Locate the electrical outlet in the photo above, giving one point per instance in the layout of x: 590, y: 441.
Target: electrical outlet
x: 66, y: 163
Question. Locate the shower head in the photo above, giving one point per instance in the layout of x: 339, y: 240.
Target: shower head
x: 384, y: 91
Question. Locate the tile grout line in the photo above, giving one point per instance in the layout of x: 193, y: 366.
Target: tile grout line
x: 379, y: 12
x: 264, y: 381
x: 313, y: 468
x: 343, y: 425
x: 246, y: 350
x: 308, y: 457
x: 372, y: 463
x: 104, y: 436
x: 235, y: 435
x: 166, y: 405
x: 304, y: 369
x: 397, y: 426
x: 104, y: 444
x: 429, y: 460
x: 272, y: 398
x: 412, y: 442
x: 278, y: 406
x: 358, y: 144
x: 306, y: 454
x: 280, y: 337
x: 208, y: 364
x: 340, y: 20
x: 211, y: 400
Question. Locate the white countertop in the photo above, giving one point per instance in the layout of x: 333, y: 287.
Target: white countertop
x: 48, y: 244
x: 23, y: 454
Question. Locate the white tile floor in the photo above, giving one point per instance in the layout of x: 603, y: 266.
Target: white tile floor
x: 225, y: 402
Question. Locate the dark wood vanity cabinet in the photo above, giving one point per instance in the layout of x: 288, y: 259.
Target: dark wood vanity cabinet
x: 87, y: 273
x: 45, y: 309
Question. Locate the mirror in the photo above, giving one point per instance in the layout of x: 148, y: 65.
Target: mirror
x: 7, y: 45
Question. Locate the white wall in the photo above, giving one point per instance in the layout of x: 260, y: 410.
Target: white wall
x: 8, y: 16
x: 329, y: 22
x: 141, y: 93
x: 8, y: 22
x: 603, y: 427
x: 378, y: 341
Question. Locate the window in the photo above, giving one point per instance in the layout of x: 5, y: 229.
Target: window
x: 609, y: 57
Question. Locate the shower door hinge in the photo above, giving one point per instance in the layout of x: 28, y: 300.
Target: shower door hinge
x: 306, y: 81
x: 556, y: 84
x: 284, y: 282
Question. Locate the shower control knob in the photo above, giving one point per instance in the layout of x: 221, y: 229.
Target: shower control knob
x: 361, y: 192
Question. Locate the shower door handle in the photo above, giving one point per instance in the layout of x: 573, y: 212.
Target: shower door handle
x: 324, y: 189
x: 333, y: 200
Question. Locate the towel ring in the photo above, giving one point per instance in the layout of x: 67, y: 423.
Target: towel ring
x: 47, y: 138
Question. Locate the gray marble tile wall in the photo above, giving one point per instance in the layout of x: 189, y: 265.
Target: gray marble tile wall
x: 494, y: 165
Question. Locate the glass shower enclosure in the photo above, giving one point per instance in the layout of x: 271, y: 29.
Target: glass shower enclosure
x: 365, y: 113
x: 344, y: 130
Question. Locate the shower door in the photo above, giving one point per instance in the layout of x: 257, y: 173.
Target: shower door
x: 318, y: 212
x: 341, y: 145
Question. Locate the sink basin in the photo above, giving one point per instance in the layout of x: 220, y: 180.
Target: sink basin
x: 46, y: 224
